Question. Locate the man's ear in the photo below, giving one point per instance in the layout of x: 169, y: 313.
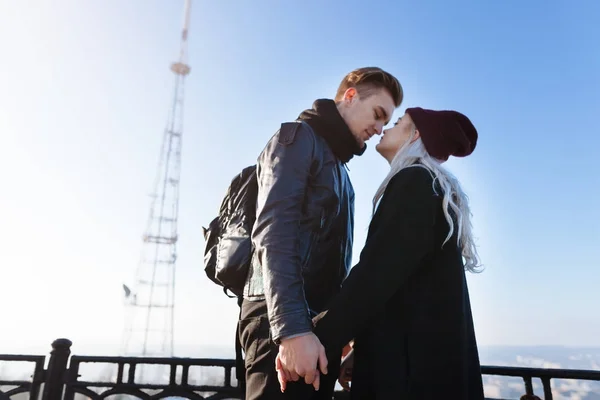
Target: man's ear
x: 350, y: 95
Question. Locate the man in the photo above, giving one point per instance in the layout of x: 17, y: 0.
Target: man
x: 303, y: 233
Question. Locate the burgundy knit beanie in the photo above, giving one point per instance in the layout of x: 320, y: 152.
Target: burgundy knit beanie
x: 444, y: 133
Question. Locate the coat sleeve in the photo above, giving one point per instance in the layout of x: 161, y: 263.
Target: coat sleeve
x: 283, y: 171
x: 401, y: 235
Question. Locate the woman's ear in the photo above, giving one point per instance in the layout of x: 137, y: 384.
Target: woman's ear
x: 416, y: 136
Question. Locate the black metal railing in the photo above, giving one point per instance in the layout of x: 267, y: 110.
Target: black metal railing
x: 545, y: 375
x: 60, y: 380
x: 24, y: 386
x: 178, y: 383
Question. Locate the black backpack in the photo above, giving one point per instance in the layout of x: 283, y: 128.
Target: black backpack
x: 228, y: 250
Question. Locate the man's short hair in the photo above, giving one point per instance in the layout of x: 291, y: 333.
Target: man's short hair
x: 368, y: 80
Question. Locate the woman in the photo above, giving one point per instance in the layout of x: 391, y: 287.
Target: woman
x: 406, y: 302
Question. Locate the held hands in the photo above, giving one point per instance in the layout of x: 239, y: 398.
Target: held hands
x: 299, y: 357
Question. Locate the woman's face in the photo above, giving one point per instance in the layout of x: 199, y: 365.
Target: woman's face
x: 394, y: 138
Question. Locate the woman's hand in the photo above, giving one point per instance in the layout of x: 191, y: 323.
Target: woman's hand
x: 347, y: 348
x: 346, y: 370
x: 347, y: 359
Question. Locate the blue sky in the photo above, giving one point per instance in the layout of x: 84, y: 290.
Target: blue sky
x: 85, y: 89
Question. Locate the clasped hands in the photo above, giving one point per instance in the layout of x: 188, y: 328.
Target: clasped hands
x: 304, y: 357
x: 301, y: 357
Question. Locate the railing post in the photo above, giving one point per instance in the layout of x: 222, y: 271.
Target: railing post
x: 528, y: 385
x: 547, y: 388
x: 59, y: 356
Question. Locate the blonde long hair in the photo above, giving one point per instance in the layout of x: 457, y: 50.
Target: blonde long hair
x: 413, y: 155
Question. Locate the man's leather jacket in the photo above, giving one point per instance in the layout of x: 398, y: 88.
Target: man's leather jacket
x: 303, y: 230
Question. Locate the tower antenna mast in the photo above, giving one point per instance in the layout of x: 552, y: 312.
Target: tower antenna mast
x: 149, y: 326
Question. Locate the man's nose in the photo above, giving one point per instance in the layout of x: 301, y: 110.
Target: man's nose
x: 379, y: 129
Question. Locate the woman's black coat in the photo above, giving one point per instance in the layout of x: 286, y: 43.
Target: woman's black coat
x: 406, y: 302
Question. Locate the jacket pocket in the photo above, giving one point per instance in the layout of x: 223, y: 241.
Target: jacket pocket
x: 311, y: 241
x: 310, y: 247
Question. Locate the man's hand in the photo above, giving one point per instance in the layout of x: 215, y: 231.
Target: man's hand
x: 299, y: 357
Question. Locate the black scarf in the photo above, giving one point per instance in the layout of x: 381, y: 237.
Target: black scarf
x: 325, y: 119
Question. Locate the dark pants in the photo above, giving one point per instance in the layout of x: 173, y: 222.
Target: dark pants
x: 259, y: 360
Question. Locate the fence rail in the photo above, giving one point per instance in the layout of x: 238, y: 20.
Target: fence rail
x: 60, y: 380
x: 33, y: 386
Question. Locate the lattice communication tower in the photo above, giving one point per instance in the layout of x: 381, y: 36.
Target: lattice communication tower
x: 150, y: 303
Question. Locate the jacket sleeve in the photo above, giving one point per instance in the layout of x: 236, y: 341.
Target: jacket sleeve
x: 283, y: 171
x: 401, y: 235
